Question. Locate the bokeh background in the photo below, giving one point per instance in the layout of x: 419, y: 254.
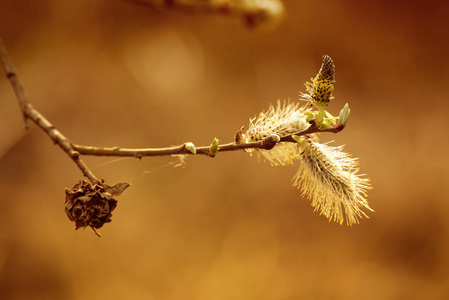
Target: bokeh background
x: 112, y: 73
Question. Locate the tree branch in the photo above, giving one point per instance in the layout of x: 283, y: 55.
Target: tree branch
x: 30, y: 113
x: 267, y: 144
x: 74, y: 150
x: 251, y: 11
x: 14, y: 79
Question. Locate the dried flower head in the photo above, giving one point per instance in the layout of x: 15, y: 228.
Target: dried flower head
x: 92, y: 205
x: 285, y: 118
x: 328, y: 177
x: 319, y: 91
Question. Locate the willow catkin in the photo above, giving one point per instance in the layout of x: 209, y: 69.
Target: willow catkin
x: 328, y: 177
x: 319, y: 91
x: 283, y: 119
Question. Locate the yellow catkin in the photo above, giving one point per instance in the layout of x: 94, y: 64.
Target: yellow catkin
x: 319, y: 91
x: 328, y: 177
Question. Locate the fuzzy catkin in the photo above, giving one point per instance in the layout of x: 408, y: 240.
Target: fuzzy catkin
x: 328, y: 177
x: 283, y: 119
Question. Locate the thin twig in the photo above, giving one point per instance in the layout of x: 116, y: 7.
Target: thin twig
x: 267, y: 143
x: 175, y: 150
x: 252, y: 12
x: 11, y: 74
x: 310, y: 130
x: 75, y: 150
x: 30, y: 113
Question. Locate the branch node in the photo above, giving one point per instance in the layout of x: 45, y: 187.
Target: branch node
x: 339, y: 128
x: 74, y: 154
x: 268, y: 143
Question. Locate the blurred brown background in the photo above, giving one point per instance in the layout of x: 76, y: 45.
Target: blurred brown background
x: 112, y: 73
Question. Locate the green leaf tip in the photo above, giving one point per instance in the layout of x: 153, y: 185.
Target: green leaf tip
x: 298, y: 139
x: 344, y: 115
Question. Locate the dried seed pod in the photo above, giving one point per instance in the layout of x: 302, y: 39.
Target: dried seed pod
x: 92, y: 205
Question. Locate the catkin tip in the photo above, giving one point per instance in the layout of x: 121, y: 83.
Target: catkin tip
x: 319, y: 91
x: 327, y: 70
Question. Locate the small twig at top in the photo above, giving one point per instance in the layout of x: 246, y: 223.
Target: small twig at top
x: 252, y: 12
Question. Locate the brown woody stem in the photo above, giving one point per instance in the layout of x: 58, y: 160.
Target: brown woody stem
x: 267, y: 144
x: 30, y: 113
x: 251, y: 11
x: 74, y: 151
